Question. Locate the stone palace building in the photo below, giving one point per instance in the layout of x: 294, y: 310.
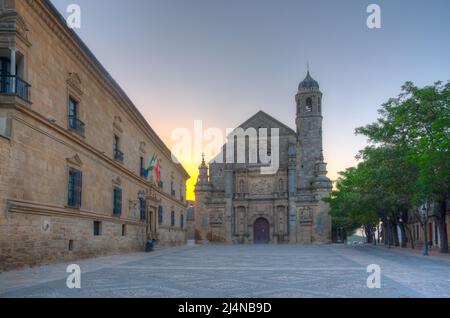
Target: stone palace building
x: 73, y: 150
x: 236, y: 203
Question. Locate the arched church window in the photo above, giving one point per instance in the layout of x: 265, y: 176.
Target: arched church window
x: 320, y: 105
x: 308, y: 107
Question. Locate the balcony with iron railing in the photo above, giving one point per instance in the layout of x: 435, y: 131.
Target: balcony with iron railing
x: 14, y: 85
x: 118, y: 155
x: 77, y: 126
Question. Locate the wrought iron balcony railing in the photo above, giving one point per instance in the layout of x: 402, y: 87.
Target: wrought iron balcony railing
x: 118, y: 155
x: 77, y: 125
x: 14, y: 85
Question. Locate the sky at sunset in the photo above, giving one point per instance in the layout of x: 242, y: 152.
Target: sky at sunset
x: 223, y: 61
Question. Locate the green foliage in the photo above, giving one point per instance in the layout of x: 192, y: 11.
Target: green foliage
x: 406, y: 163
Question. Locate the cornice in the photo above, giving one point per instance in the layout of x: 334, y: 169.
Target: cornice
x: 85, y: 146
x: 37, y: 208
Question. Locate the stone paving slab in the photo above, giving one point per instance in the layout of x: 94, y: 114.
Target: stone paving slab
x: 241, y: 271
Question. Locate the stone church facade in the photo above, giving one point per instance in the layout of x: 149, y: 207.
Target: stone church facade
x: 236, y: 203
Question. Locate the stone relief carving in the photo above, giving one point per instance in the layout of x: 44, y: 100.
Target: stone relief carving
x: 74, y: 81
x: 142, y: 146
x: 216, y: 218
x: 260, y: 186
x: 75, y: 160
x: 117, y: 124
x: 305, y: 214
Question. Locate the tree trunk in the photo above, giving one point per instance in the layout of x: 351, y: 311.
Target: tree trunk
x: 384, y: 235
x: 378, y: 233
x: 411, y: 238
x: 369, y: 233
x: 403, y: 235
x: 443, y: 226
x: 394, y: 233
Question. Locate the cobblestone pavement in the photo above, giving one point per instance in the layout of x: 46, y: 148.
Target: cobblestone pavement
x: 240, y: 271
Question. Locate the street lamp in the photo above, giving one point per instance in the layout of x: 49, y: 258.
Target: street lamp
x: 424, y: 216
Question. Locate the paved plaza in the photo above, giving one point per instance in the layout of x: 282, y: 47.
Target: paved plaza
x: 240, y: 271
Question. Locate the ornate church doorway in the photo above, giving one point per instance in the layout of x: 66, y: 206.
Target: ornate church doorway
x: 261, y: 231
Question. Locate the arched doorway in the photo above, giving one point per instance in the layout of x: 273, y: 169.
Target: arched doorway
x: 261, y: 231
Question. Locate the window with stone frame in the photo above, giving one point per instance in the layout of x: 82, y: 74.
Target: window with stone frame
x: 75, y: 184
x: 142, y: 208
x: 117, y: 201
x: 172, y: 218
x: 74, y: 123
x: 97, y: 228
x: 160, y: 215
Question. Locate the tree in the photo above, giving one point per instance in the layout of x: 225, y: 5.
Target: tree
x: 351, y: 205
x: 417, y: 124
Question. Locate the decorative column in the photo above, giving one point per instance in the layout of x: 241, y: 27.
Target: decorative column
x: 13, y: 69
x: 292, y: 191
x: 202, y: 226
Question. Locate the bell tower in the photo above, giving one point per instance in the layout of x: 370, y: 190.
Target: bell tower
x: 309, y: 131
x: 202, y: 188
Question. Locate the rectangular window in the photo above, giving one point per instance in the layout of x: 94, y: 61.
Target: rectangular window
x: 75, y: 124
x: 124, y: 230
x: 141, y: 167
x: 160, y: 215
x: 97, y: 228
x: 75, y: 183
x: 182, y: 221
x: 172, y: 218
x: 118, y: 155
x: 117, y: 201
x: 116, y: 142
x: 73, y: 113
x: 142, y: 208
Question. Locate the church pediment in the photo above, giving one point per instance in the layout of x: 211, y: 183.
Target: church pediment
x: 264, y: 120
